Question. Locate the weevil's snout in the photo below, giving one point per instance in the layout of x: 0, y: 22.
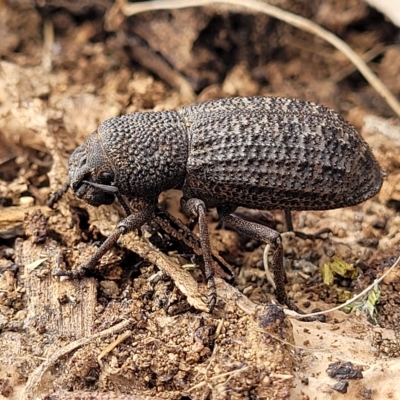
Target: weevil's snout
x: 91, y: 176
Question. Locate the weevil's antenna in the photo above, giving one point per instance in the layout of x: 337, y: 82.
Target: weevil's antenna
x: 105, y: 188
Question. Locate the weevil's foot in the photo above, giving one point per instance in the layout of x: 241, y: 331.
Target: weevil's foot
x: 323, y: 234
x: 75, y: 274
x: 315, y: 318
x: 293, y: 307
x: 212, y: 293
x: 212, y: 300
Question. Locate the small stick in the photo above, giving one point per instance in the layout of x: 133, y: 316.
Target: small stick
x: 36, y: 376
x: 113, y: 345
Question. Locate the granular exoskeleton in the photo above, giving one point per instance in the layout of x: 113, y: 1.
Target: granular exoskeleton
x: 257, y: 152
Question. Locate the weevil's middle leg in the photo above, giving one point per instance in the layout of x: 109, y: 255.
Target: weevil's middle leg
x: 196, y: 207
x: 178, y: 230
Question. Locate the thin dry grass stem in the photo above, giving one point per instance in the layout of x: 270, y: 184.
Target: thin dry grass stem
x: 269, y: 276
x: 204, y: 373
x: 36, y: 376
x: 48, y: 35
x: 367, y: 57
x: 286, y: 16
x: 219, y: 328
x: 112, y: 346
x: 229, y: 374
x: 291, y: 313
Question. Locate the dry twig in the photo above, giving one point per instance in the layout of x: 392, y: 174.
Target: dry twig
x: 36, y: 376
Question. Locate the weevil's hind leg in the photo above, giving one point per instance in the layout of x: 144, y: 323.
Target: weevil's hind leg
x: 266, y: 235
x: 288, y: 220
x: 322, y: 234
x: 196, y: 207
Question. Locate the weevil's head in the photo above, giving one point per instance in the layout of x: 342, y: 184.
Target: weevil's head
x: 91, y: 173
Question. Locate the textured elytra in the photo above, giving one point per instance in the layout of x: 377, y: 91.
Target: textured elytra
x: 256, y: 152
x: 276, y: 153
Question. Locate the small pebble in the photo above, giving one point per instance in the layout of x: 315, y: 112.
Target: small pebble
x: 341, y: 386
x: 247, y: 290
x: 296, y: 288
x: 110, y: 288
x: 26, y: 201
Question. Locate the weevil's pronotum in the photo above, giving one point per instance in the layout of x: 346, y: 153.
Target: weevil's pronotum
x: 256, y: 152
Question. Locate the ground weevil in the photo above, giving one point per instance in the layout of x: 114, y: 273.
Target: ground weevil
x: 256, y: 152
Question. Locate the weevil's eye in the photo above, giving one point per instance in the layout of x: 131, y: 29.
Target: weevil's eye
x: 106, y: 178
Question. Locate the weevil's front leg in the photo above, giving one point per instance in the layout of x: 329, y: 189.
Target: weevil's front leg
x: 128, y: 224
x: 56, y: 196
x: 197, y: 208
x: 266, y: 235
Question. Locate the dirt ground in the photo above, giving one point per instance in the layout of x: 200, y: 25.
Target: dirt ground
x: 130, y: 331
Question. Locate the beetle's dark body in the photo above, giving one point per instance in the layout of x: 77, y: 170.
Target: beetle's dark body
x: 257, y: 152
